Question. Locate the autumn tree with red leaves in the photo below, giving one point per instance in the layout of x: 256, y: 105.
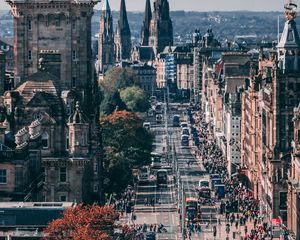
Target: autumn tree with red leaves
x: 86, y: 223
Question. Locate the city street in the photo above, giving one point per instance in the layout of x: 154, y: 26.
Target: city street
x: 185, y: 166
x: 191, y: 170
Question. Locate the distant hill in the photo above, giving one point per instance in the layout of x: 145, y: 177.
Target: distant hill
x: 225, y: 25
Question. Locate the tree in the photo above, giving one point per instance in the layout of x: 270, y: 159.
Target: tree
x: 118, y: 78
x: 85, y: 223
x: 112, y: 102
x: 135, y: 99
x: 127, y: 145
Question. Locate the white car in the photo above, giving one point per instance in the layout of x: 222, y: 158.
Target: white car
x: 203, y: 183
x: 144, y: 175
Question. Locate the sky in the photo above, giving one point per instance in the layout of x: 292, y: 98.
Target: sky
x: 199, y: 5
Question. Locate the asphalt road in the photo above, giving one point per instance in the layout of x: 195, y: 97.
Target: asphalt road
x: 166, y: 206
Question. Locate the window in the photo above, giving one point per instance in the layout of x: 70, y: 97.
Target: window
x: 95, y: 167
x: 282, y: 199
x: 69, y: 109
x: 29, y: 55
x: 63, y: 198
x: 67, y: 142
x: 45, y: 140
x: 96, y: 188
x: 3, y: 176
x: 63, y: 174
x: 74, y: 82
x: 29, y: 24
x: 74, y: 24
x: 73, y: 55
x: 44, y: 174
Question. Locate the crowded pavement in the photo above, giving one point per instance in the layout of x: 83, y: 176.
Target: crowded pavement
x: 157, y: 211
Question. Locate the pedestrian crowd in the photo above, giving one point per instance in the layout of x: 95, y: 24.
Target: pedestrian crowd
x: 241, y: 208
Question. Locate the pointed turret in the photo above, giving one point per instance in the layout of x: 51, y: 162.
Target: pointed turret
x: 123, y: 20
x: 123, y: 35
x: 289, y: 45
x: 161, y: 27
x: 78, y: 132
x: 106, y: 52
x: 145, y: 33
x: 106, y: 7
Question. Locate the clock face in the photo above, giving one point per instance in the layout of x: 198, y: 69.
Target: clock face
x: 37, y: 116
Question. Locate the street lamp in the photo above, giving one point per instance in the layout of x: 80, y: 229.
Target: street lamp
x: 239, y: 229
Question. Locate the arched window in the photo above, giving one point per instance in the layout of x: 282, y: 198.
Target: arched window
x: 45, y: 140
x: 67, y: 142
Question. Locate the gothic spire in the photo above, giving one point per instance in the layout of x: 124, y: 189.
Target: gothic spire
x: 146, y: 25
x: 123, y: 21
x: 105, y: 6
x: 123, y: 35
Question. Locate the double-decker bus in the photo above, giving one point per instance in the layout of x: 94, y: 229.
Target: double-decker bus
x: 191, y: 209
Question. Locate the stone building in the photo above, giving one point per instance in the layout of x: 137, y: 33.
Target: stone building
x: 161, y: 27
x: 60, y: 33
x: 2, y: 72
x: 106, y: 45
x: 279, y: 85
x: 48, y: 120
x: 123, y: 36
x: 250, y: 129
x: 7, y: 48
x: 36, y: 110
x: 293, y: 205
x: 146, y: 76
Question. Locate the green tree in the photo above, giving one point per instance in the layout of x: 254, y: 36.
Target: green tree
x: 127, y: 144
x: 135, y: 99
x: 111, y: 102
x: 118, y: 78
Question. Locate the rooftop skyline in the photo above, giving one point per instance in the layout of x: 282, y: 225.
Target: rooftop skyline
x: 198, y: 5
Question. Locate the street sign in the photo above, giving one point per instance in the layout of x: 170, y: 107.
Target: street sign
x: 276, y: 221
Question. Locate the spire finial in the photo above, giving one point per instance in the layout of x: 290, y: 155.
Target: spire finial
x: 77, y: 106
x: 290, y: 10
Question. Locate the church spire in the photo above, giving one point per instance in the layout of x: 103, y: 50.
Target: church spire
x: 123, y: 35
x: 106, y: 52
x: 289, y: 45
x: 123, y: 21
x: 145, y: 33
x: 105, y: 6
x: 161, y: 27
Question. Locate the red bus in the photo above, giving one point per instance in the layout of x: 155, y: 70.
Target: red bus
x: 191, y: 209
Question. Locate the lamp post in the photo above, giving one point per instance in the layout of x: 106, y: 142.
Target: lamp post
x: 239, y: 229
